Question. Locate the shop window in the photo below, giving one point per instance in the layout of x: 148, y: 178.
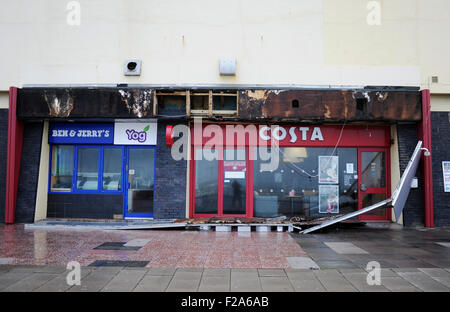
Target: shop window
x: 93, y: 169
x: 112, y: 169
x: 206, y: 184
x: 296, y: 188
x: 87, y: 168
x: 62, y: 168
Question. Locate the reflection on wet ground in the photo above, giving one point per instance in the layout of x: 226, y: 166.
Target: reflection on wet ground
x: 159, y: 248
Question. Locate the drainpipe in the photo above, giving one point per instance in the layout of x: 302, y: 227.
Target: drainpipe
x: 14, y: 152
x: 425, y: 136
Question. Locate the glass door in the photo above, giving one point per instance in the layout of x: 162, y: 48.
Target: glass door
x: 234, y: 182
x: 220, y: 184
x: 373, y: 182
x: 140, y: 175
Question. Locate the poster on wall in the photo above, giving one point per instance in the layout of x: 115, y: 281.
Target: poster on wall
x: 446, y: 173
x: 328, y: 169
x: 328, y: 199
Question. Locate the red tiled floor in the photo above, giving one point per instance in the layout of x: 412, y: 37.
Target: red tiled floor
x: 165, y: 248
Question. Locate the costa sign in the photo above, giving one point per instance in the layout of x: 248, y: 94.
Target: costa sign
x: 290, y: 135
x: 280, y: 133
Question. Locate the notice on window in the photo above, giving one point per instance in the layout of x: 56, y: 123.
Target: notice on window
x: 349, y: 168
x: 446, y: 173
x: 328, y: 169
x: 328, y: 199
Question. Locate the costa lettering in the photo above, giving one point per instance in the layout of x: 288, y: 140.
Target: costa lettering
x: 295, y: 134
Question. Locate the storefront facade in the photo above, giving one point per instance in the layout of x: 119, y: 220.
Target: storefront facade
x: 104, y: 153
x: 113, y: 163
x: 315, y: 171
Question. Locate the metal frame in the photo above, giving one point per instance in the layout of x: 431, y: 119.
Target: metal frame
x: 126, y: 214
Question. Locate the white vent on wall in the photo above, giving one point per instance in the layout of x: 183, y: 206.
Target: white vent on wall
x: 132, y: 68
x: 227, y: 66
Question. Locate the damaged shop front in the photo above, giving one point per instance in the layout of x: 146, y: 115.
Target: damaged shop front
x: 106, y: 152
x: 303, y: 171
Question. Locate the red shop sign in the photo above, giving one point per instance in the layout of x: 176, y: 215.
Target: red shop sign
x: 291, y: 135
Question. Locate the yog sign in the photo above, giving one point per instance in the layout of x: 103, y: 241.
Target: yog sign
x: 135, y: 133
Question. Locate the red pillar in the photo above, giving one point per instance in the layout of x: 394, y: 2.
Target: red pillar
x: 15, y: 137
x: 425, y: 136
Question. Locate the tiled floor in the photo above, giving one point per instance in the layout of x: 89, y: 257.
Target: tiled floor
x: 392, y: 246
x: 180, y: 249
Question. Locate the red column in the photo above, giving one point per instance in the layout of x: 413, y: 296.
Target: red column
x: 425, y: 136
x: 15, y: 136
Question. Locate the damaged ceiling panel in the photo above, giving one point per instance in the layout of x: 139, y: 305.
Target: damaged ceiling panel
x: 307, y: 105
x: 330, y: 105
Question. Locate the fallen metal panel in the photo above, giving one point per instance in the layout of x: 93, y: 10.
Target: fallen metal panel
x: 397, y: 200
x: 401, y: 192
x: 348, y: 216
x: 150, y: 226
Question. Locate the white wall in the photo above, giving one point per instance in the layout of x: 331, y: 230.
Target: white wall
x: 309, y: 42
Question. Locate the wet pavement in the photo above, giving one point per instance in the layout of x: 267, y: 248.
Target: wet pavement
x: 410, y: 260
x: 157, y: 248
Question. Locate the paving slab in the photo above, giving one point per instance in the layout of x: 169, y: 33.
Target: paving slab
x: 215, y: 283
x: 11, y: 277
x: 440, y: 275
x: 245, y: 280
x: 30, y: 282
x: 359, y: 281
x: 185, y: 280
x: 276, y: 284
x: 344, y: 248
x: 332, y: 280
x: 162, y: 271
x: 423, y: 281
x: 398, y: 284
x: 304, y: 281
x: 153, y: 283
x: 271, y: 272
x: 96, y: 280
x: 125, y: 280
x: 302, y: 263
x: 216, y: 272
x: 59, y: 282
x: 138, y: 242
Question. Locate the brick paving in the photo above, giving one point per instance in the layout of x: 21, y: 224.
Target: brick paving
x: 412, y: 260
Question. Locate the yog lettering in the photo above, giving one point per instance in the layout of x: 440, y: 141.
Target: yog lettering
x: 140, y: 136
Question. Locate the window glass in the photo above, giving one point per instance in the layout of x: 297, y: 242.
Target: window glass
x: 62, y: 168
x: 206, y: 184
x: 373, y: 173
x: 112, y: 169
x: 87, y: 168
x: 293, y: 188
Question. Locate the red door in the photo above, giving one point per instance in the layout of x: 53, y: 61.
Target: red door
x: 373, y: 182
x: 220, y: 185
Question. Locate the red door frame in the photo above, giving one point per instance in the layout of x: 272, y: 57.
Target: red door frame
x: 248, y: 185
x: 14, y: 153
x: 375, y: 190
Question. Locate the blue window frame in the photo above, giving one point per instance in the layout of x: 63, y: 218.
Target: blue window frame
x: 90, y: 173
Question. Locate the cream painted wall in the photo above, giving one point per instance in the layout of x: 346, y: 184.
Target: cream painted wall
x: 4, y: 99
x: 42, y: 186
x: 309, y: 42
x: 440, y: 103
